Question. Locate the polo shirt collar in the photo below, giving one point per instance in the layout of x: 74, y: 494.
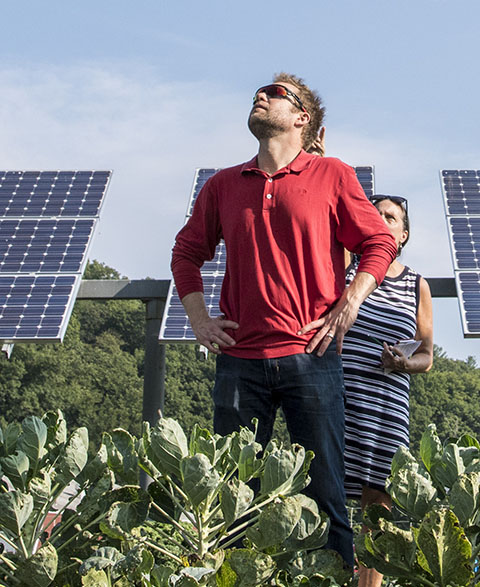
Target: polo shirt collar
x: 301, y: 162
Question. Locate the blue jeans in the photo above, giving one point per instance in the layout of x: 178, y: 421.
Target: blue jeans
x: 310, y: 391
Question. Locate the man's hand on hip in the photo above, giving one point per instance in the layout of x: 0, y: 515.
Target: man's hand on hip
x: 208, y: 331
x: 334, y: 324
x: 341, y: 317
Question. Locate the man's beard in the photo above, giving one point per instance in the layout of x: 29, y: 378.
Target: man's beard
x: 265, y: 127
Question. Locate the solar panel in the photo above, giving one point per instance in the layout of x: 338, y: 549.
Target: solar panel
x: 468, y: 288
x: 47, y: 220
x: 50, y: 194
x: 175, y: 325
x: 461, y: 193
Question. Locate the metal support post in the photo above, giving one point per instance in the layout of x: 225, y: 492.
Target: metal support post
x: 154, y: 371
x: 154, y: 374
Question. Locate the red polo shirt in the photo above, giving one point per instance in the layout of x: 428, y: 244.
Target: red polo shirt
x: 285, y: 237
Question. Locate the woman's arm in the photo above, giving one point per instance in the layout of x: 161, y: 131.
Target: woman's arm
x: 422, y: 359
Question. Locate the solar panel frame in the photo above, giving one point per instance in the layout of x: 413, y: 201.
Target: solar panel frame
x: 469, y: 301
x: 461, y: 198
x: 50, y: 215
x: 175, y: 326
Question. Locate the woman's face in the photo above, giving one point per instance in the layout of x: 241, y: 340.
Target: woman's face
x: 393, y: 215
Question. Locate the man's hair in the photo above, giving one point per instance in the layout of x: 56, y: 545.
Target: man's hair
x: 312, y: 102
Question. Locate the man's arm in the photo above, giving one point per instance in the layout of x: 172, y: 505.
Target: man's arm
x: 341, y: 317
x: 209, y: 331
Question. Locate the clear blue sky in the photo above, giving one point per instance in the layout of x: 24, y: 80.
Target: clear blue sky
x: 154, y: 89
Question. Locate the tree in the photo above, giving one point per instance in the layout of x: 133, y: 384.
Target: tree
x: 188, y: 386
x: 447, y: 396
x: 94, y: 377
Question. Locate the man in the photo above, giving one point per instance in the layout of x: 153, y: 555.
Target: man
x: 285, y: 217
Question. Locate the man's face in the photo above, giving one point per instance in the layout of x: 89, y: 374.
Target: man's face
x: 271, y: 116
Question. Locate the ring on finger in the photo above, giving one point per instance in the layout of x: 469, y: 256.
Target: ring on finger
x: 330, y: 335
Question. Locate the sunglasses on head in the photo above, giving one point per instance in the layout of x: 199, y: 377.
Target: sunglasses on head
x: 375, y: 199
x: 279, y: 91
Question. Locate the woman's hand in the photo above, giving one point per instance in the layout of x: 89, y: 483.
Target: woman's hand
x: 318, y: 145
x: 393, y: 358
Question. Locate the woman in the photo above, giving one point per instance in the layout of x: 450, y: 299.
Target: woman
x: 377, y: 371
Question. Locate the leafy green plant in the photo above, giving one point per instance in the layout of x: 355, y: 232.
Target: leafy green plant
x: 439, y: 495
x: 200, y: 523
x: 223, y: 532
x: 39, y: 520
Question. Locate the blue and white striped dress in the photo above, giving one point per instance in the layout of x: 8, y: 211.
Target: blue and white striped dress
x: 376, y: 411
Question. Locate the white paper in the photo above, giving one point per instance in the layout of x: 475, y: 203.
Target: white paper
x: 408, y: 347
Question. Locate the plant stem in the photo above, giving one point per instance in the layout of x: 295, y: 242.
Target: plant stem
x: 165, y: 552
x: 218, y: 488
x: 174, y: 522
x: 60, y: 511
x: 66, y: 525
x: 24, y: 548
x: 93, y: 522
x: 8, y: 541
x: 11, y: 576
x: 201, y: 551
x: 61, y: 529
x: 168, y: 537
x: 214, y: 529
x: 175, y: 499
x: 177, y: 488
x: 259, y: 505
x: 213, y: 513
x: 63, y: 569
x: 234, y: 533
x: 8, y: 562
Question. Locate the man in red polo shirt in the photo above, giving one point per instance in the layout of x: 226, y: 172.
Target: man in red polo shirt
x: 286, y: 217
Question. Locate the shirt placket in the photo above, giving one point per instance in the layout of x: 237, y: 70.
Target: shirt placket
x: 268, y: 194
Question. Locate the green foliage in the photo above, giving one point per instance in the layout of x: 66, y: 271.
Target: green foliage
x: 96, y: 371
x: 440, y: 496
x: 39, y: 460
x: 204, y: 487
x: 203, y: 481
x: 447, y: 396
x: 110, y: 537
x: 188, y: 386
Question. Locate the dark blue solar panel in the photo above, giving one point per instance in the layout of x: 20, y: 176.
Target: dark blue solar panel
x: 175, y: 325
x: 461, y: 192
x: 366, y: 178
x: 47, y: 219
x: 43, y: 246
x: 465, y: 239
x: 47, y: 193
x: 201, y: 177
x: 33, y: 307
x: 468, y: 287
x: 461, y: 189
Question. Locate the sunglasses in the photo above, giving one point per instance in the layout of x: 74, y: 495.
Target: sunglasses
x: 397, y: 199
x: 279, y: 91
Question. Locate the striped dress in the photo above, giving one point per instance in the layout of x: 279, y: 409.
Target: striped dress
x: 376, y: 411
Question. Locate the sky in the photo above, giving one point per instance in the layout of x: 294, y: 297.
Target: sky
x: 154, y: 89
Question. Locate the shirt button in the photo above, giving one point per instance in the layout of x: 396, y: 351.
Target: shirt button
x: 270, y: 180
x: 269, y: 196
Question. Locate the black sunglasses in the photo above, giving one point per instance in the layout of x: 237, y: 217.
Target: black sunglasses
x: 401, y: 201
x: 279, y: 91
